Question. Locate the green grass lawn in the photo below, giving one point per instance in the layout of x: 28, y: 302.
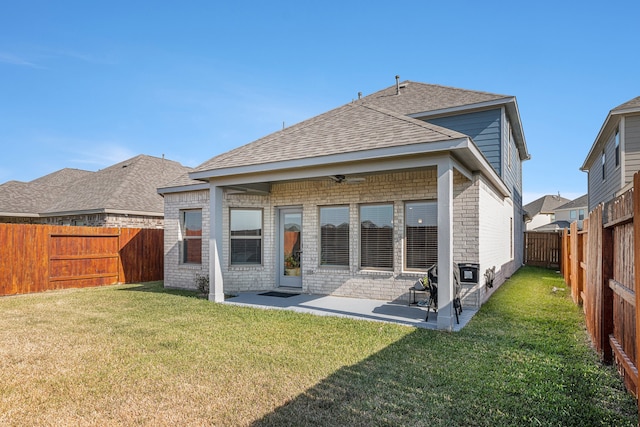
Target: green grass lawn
x: 140, y: 355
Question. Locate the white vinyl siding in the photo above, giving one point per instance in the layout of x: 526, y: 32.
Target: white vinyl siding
x: 602, y: 190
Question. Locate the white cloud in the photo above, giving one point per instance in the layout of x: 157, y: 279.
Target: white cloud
x: 8, y: 58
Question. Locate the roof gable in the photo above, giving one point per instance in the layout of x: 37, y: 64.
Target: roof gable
x: 384, y: 119
x: 613, y: 118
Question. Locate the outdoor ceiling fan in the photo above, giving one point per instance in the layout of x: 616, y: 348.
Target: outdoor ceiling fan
x: 344, y: 179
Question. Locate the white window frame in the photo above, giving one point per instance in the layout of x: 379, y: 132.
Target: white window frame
x: 185, y: 239
x: 233, y: 238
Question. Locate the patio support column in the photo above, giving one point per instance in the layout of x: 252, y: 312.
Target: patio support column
x: 445, y: 244
x: 216, y: 288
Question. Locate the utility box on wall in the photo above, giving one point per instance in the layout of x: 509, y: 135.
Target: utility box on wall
x: 469, y: 272
x: 470, y: 286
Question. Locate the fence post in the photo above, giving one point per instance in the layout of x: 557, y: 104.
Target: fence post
x: 566, y: 253
x: 636, y: 261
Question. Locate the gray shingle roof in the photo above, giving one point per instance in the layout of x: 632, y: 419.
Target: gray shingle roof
x: 129, y: 186
x: 351, y: 128
x: 634, y: 103
x: 545, y: 204
x: 35, y: 196
x: 376, y: 121
x: 580, y: 202
x: 416, y: 97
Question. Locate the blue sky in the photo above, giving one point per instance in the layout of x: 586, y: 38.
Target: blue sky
x: 87, y: 84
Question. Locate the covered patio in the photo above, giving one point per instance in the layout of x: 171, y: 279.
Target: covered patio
x: 355, y: 308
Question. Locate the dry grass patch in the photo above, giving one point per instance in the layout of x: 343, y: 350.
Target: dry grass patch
x: 131, y: 355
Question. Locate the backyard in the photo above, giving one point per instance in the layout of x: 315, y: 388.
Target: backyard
x: 143, y: 355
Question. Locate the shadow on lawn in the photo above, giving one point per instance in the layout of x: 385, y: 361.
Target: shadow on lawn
x: 408, y: 383
x: 426, y: 380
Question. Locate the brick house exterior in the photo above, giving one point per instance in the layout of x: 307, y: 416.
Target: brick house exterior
x: 392, y: 161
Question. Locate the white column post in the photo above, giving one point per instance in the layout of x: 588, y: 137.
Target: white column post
x: 445, y: 244
x: 216, y: 287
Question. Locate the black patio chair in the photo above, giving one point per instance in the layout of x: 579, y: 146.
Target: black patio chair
x: 431, y: 285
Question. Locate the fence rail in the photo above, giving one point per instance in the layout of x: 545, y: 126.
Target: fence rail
x: 36, y: 258
x: 599, y: 264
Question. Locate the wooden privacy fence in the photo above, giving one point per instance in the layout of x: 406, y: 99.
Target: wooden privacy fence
x: 36, y: 258
x: 599, y: 264
x: 542, y: 249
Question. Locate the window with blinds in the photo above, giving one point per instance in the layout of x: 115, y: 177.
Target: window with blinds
x: 421, y: 235
x: 191, y: 230
x: 376, y: 236
x: 246, y: 236
x: 334, y: 236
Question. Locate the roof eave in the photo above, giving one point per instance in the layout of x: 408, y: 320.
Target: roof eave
x: 462, y: 149
x: 364, y: 155
x: 596, y: 147
x: 19, y: 214
x: 183, y: 188
x: 101, y: 211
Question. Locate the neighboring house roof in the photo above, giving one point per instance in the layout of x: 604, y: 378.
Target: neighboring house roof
x: 127, y: 187
x: 27, y: 199
x: 553, y: 226
x: 544, y: 205
x: 378, y: 126
x: 612, y: 120
x: 580, y: 202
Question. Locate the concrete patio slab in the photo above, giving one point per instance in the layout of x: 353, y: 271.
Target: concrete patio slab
x: 354, y: 308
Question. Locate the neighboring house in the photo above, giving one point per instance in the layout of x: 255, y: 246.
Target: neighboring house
x: 615, y: 155
x: 575, y: 210
x: 541, y: 211
x: 358, y: 201
x: 122, y: 195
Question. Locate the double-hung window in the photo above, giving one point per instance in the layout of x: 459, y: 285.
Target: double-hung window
x: 376, y: 236
x: 421, y: 235
x: 246, y: 236
x: 334, y: 235
x: 191, y: 230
